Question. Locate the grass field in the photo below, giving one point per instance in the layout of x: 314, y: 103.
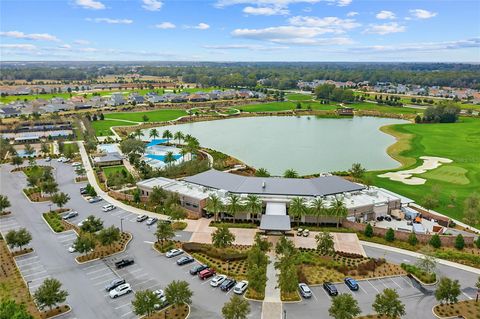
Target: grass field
x: 459, y: 142
x: 102, y: 128
x: 299, y: 97
x: 115, y: 169
x: 153, y: 116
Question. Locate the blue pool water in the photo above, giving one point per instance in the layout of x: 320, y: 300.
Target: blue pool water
x: 162, y: 157
x: 22, y: 153
x: 156, y: 142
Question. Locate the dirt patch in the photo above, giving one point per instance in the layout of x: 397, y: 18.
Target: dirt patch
x: 465, y: 309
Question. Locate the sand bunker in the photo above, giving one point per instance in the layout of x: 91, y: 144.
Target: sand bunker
x: 429, y: 163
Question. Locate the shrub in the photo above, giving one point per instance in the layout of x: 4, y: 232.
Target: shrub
x: 425, y: 277
x: 225, y: 254
x: 368, y: 231
x: 390, y: 235
x: 477, y: 242
x: 435, y: 241
x: 412, y: 239
x: 459, y: 242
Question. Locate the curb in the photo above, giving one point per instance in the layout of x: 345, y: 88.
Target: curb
x: 118, y: 252
x: 437, y: 316
x: 63, y: 313
x: 422, y: 283
x: 32, y: 202
x: 362, y: 279
x: 43, y: 217
x: 30, y: 252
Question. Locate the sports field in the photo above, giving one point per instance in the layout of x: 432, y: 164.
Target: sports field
x: 451, y: 183
x: 102, y: 128
x: 153, y: 116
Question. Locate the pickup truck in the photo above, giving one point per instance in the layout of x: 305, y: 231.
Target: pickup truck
x: 124, y: 263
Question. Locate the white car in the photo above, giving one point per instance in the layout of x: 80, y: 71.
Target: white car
x: 61, y: 159
x: 80, y: 224
x: 240, y: 287
x: 159, y: 292
x: 75, y: 164
x: 120, y: 291
x: 173, y: 253
x: 71, y: 249
x: 108, y: 207
x: 217, y: 280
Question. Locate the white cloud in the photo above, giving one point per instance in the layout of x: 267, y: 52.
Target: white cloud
x: 352, y: 13
x: 282, y: 4
x: 152, y: 5
x: 88, y: 50
x: 266, y: 11
x: 30, y: 36
x: 253, y: 47
x: 422, y: 47
x: 81, y: 42
x: 337, y: 25
x: 22, y: 47
x: 111, y: 21
x: 65, y: 46
x: 384, y: 15
x: 386, y: 28
x: 202, y: 26
x: 422, y: 14
x: 90, y: 4
x: 343, y: 3
x: 165, y: 25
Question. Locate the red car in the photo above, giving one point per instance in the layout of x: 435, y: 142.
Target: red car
x: 206, y: 273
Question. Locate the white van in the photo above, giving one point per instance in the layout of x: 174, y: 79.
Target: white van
x: 108, y: 208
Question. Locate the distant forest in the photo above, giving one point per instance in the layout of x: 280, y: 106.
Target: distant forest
x: 275, y: 74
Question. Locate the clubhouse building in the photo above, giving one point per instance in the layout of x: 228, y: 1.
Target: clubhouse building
x: 362, y: 203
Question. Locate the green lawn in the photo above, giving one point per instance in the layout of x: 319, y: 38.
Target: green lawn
x: 459, y: 142
x: 299, y: 97
x: 115, y: 169
x: 384, y: 108
x: 102, y: 128
x: 153, y: 116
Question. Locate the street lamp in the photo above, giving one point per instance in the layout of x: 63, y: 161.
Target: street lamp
x: 28, y: 285
x: 284, y: 314
x: 121, y: 225
x: 50, y: 206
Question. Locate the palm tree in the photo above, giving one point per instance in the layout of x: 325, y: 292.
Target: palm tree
x: 253, y: 205
x: 297, y: 208
x: 234, y: 206
x: 154, y: 133
x: 339, y: 210
x: 193, y: 145
x: 138, y: 133
x: 178, y: 136
x: 318, y: 209
x: 168, y: 135
x: 290, y: 173
x: 169, y: 158
x: 183, y: 152
x: 262, y: 172
x: 187, y: 138
x: 214, y: 205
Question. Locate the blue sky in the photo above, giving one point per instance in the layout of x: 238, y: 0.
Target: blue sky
x: 241, y: 30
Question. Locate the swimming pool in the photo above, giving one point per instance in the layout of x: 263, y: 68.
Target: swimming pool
x: 22, y: 153
x: 162, y: 157
x: 156, y: 142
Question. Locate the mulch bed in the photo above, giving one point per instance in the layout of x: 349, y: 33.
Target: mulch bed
x: 104, y: 251
x: 467, y: 309
x: 24, y: 251
x: 173, y: 312
x: 55, y: 311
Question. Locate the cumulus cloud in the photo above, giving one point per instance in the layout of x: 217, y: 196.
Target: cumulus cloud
x: 22, y: 47
x: 422, y: 14
x: 335, y: 24
x: 279, y: 4
x: 253, y: 47
x: 201, y: 26
x: 352, y: 13
x: 386, y: 28
x: 384, y: 15
x: 29, y: 36
x: 152, y: 5
x: 343, y: 3
x: 266, y: 11
x: 111, y: 21
x: 81, y: 42
x: 90, y: 4
x: 165, y: 25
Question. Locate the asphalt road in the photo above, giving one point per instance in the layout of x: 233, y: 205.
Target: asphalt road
x: 85, y: 283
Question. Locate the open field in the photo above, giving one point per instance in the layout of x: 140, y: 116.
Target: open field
x: 115, y: 169
x: 285, y: 106
x: 102, y: 128
x: 153, y: 116
x: 299, y: 97
x: 451, y: 183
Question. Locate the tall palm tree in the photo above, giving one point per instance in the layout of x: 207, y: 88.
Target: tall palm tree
x: 234, y: 205
x: 169, y: 158
x: 318, y: 209
x: 138, y: 133
x: 253, y: 205
x: 168, y: 135
x: 187, y: 138
x: 178, y: 136
x: 154, y: 133
x: 193, y: 145
x: 290, y: 173
x: 339, y: 210
x: 183, y: 152
x: 297, y: 208
x: 214, y: 205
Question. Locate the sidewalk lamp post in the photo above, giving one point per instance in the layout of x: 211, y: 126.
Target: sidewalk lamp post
x: 28, y: 285
x: 121, y: 225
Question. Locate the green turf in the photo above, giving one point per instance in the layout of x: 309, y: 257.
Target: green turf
x: 153, y: 116
x: 102, y: 128
x: 114, y: 169
x: 459, y: 142
x: 299, y: 97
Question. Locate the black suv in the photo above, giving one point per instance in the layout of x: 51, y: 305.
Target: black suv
x: 195, y: 270
x: 124, y: 263
x: 114, y: 284
x: 330, y: 288
x: 228, y: 284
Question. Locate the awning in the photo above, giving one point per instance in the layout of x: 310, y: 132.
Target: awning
x: 276, y: 209
x: 275, y: 223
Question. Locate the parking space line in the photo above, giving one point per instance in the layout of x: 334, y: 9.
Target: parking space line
x: 118, y: 212
x: 108, y: 274
x: 409, y: 283
x: 363, y: 289
x: 40, y: 278
x: 25, y: 259
x: 396, y: 283
x: 103, y: 282
x: 135, y: 271
x: 466, y: 295
x: 92, y: 266
x: 126, y: 314
x: 203, y: 283
x: 372, y: 285
x: 35, y: 273
x: 141, y: 283
x: 326, y: 294
x: 36, y: 267
x: 382, y: 283
x: 128, y: 303
x: 141, y: 275
x: 94, y: 271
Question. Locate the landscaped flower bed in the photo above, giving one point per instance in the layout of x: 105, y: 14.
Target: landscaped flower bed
x: 292, y: 296
x: 54, y: 219
x: 426, y: 278
x: 24, y: 251
x: 252, y: 294
x: 236, y: 269
x: 55, y: 311
x: 179, y: 225
x: 467, y: 309
x: 35, y: 194
x: 166, y: 246
x: 101, y: 251
x: 172, y: 312
x: 79, y: 179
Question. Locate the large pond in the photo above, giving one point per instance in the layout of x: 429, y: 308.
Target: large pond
x: 306, y: 144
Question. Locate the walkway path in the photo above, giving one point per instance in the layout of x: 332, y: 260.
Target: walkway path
x: 272, y: 304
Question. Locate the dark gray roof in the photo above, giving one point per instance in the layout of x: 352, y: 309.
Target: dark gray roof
x: 275, y: 222
x: 109, y: 157
x: 320, y: 186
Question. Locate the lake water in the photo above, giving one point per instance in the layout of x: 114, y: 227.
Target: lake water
x: 306, y: 144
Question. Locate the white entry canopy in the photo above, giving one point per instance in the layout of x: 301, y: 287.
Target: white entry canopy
x: 278, y: 209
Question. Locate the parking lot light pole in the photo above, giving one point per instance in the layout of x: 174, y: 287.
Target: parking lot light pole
x: 28, y: 285
x: 121, y: 225
x: 284, y: 314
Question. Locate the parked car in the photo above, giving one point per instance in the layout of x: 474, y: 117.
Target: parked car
x: 83, y: 191
x: 351, y: 283
x: 185, y: 260
x: 61, y: 159
x: 124, y: 263
x: 380, y: 218
x: 95, y: 199
x: 120, y: 291
x: 80, y: 224
x: 195, y: 270
x: 330, y: 288
x: 162, y: 304
x: 240, y: 287
x: 69, y: 215
x: 114, y: 284
x: 159, y: 292
x: 208, y: 215
x: 305, y: 291
x: 151, y: 221
x: 75, y: 164
x: 108, y: 207
x: 173, y: 252
x: 71, y: 249
x: 206, y: 273
x: 217, y: 280
x: 228, y: 284
x: 141, y: 218
x: 388, y: 218
x: 299, y: 232
x: 306, y: 232
x: 48, y: 159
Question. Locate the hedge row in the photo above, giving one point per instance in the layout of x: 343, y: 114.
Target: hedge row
x: 227, y: 254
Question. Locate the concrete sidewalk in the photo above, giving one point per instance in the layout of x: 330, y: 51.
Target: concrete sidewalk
x: 272, y: 304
